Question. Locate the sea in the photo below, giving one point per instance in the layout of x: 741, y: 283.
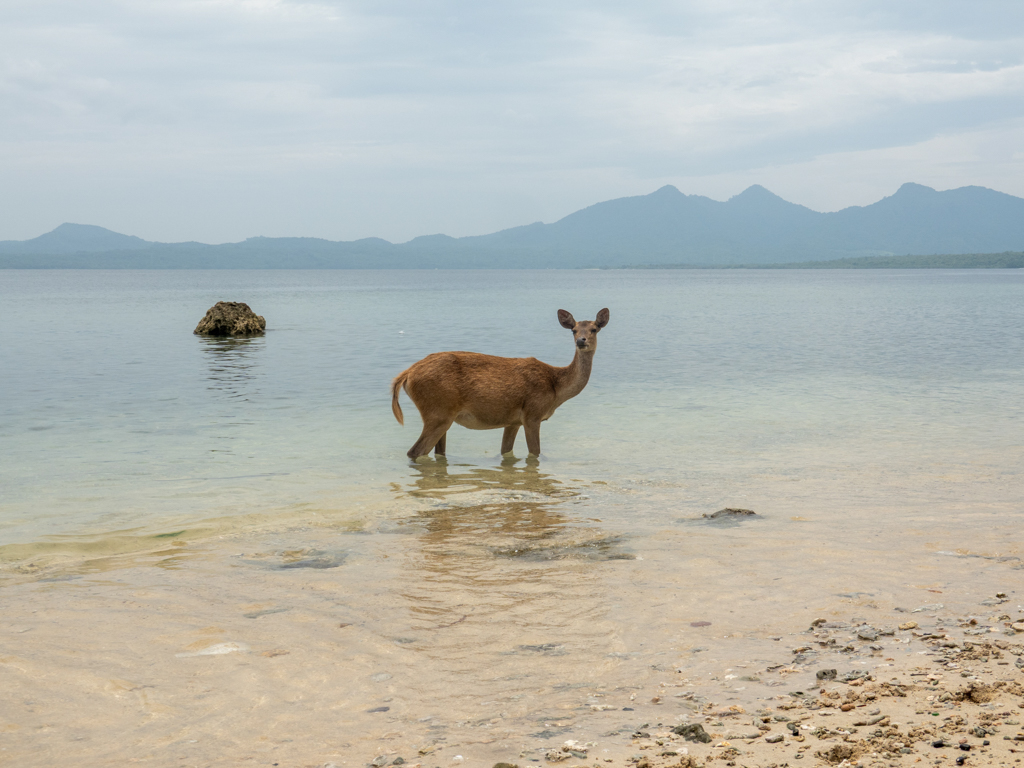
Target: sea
x: 189, y: 512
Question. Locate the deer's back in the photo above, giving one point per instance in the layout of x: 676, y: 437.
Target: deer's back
x: 493, y: 388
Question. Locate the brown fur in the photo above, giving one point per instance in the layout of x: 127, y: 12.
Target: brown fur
x: 486, y: 392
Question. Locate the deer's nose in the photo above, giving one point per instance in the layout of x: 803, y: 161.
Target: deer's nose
x: 581, y: 342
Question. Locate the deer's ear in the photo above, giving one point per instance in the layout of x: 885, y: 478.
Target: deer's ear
x: 566, y: 319
x: 602, y: 318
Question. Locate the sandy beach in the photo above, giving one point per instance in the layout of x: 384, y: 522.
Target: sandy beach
x: 187, y: 656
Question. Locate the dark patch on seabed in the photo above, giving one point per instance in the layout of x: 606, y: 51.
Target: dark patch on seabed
x: 1012, y: 560
x: 597, y: 549
x: 292, y: 560
x: 546, y: 649
x: 265, y: 612
x: 730, y: 517
x: 550, y: 733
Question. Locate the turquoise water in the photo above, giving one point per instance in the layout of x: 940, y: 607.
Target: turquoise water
x: 115, y: 419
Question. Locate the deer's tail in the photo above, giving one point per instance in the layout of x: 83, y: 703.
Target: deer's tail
x: 396, y: 387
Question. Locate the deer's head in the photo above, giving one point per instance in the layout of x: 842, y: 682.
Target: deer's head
x: 585, y: 331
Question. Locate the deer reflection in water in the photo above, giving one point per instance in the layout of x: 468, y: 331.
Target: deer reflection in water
x: 508, y: 511
x: 503, y: 571
x: 435, y: 480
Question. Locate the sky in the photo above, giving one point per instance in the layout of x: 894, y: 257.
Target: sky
x: 218, y: 120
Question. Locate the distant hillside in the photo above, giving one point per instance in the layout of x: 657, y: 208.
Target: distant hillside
x: 665, y: 227
x: 75, y: 238
x: 1006, y: 260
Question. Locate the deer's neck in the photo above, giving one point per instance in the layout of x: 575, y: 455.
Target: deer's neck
x: 574, y: 377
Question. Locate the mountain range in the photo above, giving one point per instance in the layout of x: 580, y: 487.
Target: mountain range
x: 665, y: 227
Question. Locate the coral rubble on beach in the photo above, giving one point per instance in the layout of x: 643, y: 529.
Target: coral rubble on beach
x: 955, y: 696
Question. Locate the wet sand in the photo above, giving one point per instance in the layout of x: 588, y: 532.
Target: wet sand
x: 149, y: 666
x: 497, y: 619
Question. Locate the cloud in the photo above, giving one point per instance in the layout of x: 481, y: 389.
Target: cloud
x: 223, y: 119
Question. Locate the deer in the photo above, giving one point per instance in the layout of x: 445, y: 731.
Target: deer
x: 481, y: 391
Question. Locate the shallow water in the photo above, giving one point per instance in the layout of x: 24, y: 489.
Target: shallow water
x: 221, y: 547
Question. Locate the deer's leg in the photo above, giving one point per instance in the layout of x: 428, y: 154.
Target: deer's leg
x: 439, y: 445
x: 432, y: 432
x: 508, y: 439
x: 532, y: 431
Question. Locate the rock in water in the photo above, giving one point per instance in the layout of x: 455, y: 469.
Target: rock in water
x: 729, y: 512
x: 231, y: 318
